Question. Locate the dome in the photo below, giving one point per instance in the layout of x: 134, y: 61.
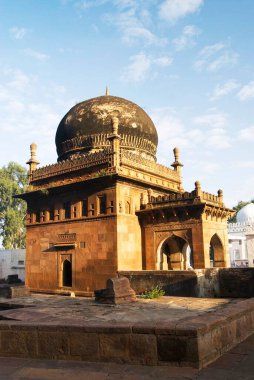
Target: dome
x: 246, y: 214
x: 87, y: 125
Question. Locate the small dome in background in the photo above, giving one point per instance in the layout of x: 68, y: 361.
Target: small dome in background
x: 246, y: 214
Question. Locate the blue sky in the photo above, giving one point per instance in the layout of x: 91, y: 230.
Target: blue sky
x: 188, y: 63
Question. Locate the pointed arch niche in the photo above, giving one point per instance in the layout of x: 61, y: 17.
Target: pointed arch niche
x: 174, y: 253
x: 216, y: 252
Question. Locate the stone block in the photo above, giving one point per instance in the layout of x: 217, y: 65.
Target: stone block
x: 114, y: 347
x: 18, y: 291
x: 143, y: 349
x: 19, y: 343
x: 118, y: 291
x: 228, y: 334
x: 84, y: 345
x: 171, y: 348
x: 53, y: 345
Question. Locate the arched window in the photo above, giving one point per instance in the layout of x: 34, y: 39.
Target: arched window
x: 127, y: 207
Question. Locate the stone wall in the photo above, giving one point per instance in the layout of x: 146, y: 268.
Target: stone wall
x: 213, y: 282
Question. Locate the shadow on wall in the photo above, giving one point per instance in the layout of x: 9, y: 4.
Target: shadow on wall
x: 207, y: 283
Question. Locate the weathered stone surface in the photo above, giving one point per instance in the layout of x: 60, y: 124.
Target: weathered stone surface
x: 171, y: 349
x: 114, y: 347
x: 53, y: 344
x: 118, y: 290
x: 19, y: 342
x: 18, y: 291
x: 13, y: 291
x: 170, y: 330
x: 236, y: 282
x: 84, y: 345
x: 143, y: 349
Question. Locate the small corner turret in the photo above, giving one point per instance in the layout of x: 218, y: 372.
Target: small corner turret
x: 198, y: 189
x: 177, y: 164
x: 32, y: 162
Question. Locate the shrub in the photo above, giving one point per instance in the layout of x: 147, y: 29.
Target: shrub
x: 155, y: 292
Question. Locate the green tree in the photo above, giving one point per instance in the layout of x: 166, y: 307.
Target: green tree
x: 13, y: 180
x: 238, y: 207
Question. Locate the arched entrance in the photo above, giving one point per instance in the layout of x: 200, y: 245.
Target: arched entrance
x: 67, y: 273
x: 173, y: 254
x: 216, y: 252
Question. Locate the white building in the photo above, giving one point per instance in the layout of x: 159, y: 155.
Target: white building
x: 241, y: 238
x: 12, y: 262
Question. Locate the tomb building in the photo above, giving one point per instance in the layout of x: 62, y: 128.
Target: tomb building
x: 107, y: 205
x: 241, y: 238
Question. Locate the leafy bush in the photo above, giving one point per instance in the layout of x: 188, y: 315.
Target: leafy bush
x: 155, y: 292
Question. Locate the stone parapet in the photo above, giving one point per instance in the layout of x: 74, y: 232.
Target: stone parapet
x: 68, y: 166
x: 134, y: 160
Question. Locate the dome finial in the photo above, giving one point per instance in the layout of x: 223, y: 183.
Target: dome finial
x: 107, y: 91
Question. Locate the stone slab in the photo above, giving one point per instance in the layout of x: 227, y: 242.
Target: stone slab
x: 168, y: 331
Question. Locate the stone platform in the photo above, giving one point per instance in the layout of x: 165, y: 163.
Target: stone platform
x: 169, y: 331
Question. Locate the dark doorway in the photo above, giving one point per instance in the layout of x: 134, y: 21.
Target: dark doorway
x: 67, y: 273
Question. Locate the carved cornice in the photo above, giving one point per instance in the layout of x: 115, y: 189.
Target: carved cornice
x: 216, y: 212
x: 171, y: 213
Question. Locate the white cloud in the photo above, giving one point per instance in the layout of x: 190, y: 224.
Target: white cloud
x: 217, y: 139
x: 172, y: 132
x: 132, y: 26
x: 19, y: 80
x: 173, y: 10
x: 210, y: 50
x: 215, y: 134
x: 18, y: 33
x: 209, y: 167
x: 224, y: 89
x: 138, y: 68
x: 228, y: 58
x: 163, y: 61
x: 141, y: 65
x: 36, y: 55
x: 31, y: 110
x: 215, y: 57
x: 245, y: 164
x: 214, y: 120
x: 246, y: 92
x: 247, y: 134
x: 132, y: 18
x: 86, y: 4
x: 187, y: 38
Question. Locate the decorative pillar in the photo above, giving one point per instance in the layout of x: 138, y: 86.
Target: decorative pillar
x: 177, y: 165
x: 198, y: 189
x: 115, y: 139
x: 149, y: 195
x: 33, y: 162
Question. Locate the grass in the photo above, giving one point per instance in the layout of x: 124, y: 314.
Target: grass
x: 155, y: 292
